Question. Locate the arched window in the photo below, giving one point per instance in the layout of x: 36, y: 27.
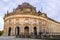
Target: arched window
x: 10, y: 21
x: 26, y: 20
x: 17, y: 20
x: 35, y: 21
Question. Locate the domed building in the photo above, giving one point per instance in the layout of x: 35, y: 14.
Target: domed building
x: 25, y: 20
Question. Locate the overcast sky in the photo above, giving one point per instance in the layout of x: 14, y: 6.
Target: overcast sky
x: 50, y: 7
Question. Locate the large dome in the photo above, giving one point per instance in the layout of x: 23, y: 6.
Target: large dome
x: 25, y: 5
x: 24, y: 8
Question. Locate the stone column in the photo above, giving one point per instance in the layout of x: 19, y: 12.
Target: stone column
x: 19, y: 29
x: 32, y: 29
x: 22, y: 30
x: 13, y: 31
x: 7, y: 31
x: 37, y: 30
x: 29, y: 30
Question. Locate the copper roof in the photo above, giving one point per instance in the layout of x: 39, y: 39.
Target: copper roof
x: 24, y: 5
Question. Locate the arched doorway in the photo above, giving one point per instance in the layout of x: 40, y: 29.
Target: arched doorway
x: 9, y: 31
x: 17, y: 30
x: 26, y: 30
x: 35, y: 31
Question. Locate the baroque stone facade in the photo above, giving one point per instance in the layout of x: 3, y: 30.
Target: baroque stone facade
x: 25, y: 20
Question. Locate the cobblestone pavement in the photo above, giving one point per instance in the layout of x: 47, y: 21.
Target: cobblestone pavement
x: 13, y: 38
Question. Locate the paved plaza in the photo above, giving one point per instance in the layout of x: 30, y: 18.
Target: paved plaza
x: 13, y: 38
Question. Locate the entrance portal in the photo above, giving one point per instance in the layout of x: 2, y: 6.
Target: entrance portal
x: 35, y: 30
x: 26, y: 30
x: 9, y: 31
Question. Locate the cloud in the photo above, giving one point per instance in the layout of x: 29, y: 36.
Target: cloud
x: 51, y: 7
x: 1, y: 23
x: 5, y: 0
